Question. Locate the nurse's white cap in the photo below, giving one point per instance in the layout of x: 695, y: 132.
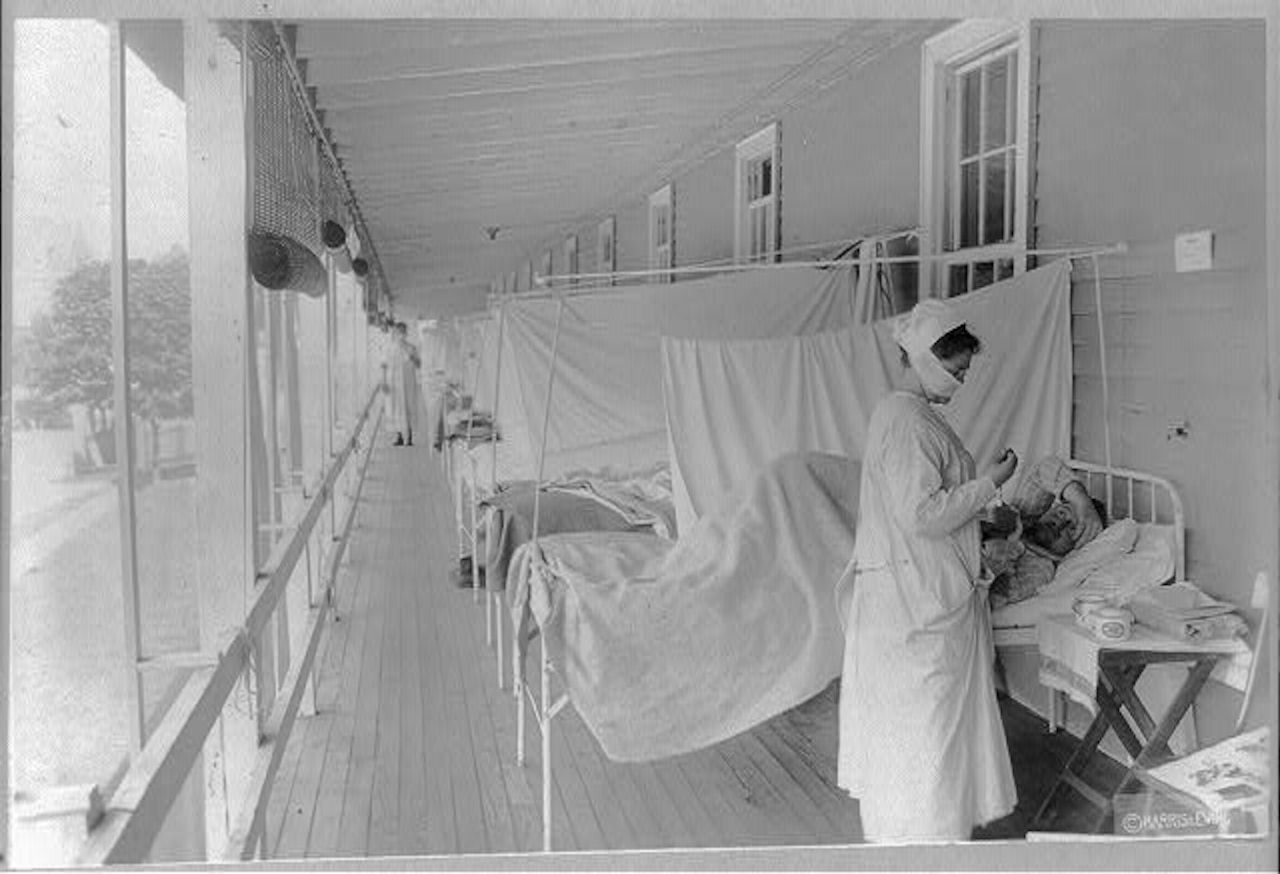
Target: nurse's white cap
x: 916, y: 331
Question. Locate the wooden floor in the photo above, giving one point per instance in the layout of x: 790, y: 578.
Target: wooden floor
x: 412, y: 751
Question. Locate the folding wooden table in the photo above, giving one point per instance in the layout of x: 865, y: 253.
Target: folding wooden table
x: 1119, y: 665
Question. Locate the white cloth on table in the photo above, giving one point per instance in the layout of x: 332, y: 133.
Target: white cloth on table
x: 922, y: 745
x: 1069, y: 663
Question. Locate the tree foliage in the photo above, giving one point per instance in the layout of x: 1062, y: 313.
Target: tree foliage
x: 73, y: 363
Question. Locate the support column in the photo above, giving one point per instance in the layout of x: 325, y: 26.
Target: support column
x: 121, y: 407
x: 6, y: 431
x: 223, y: 366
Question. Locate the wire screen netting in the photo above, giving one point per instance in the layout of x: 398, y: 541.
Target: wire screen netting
x: 334, y: 218
x: 284, y: 244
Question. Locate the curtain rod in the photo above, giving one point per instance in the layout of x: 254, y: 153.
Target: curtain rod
x: 547, y: 283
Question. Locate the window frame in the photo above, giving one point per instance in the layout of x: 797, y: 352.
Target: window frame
x: 941, y: 55
x: 547, y: 266
x: 765, y: 142
x: 662, y: 256
x: 571, y: 258
x: 607, y: 247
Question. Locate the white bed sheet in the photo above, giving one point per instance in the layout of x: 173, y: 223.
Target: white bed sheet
x: 1117, y: 574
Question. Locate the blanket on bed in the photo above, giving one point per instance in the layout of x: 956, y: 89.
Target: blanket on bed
x: 562, y: 510
x: 666, y: 648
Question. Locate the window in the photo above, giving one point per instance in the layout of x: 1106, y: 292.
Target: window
x: 606, y: 252
x: 756, y: 227
x: 571, y: 259
x: 975, y: 124
x: 662, y: 233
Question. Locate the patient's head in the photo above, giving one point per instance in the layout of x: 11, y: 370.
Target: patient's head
x: 1055, y: 530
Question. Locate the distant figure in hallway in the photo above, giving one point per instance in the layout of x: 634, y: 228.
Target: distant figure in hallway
x: 403, y: 366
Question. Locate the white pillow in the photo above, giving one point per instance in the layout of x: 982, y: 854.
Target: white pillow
x: 1150, y: 563
x: 1115, y: 540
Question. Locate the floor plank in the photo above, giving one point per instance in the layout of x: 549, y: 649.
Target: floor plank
x: 316, y: 768
x: 384, y: 816
x: 362, y: 719
x: 441, y: 825
x: 413, y: 832
x: 526, y: 821
x: 689, y: 804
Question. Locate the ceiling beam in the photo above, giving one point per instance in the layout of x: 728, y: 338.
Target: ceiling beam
x: 686, y: 51
x: 340, y: 100
x: 379, y: 144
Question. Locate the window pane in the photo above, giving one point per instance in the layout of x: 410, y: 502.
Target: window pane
x: 69, y: 683
x: 994, y: 227
x: 160, y: 367
x: 969, y: 205
x: 766, y: 177
x: 1004, y: 268
x: 983, y: 275
x: 970, y: 112
x: 958, y: 282
x: 995, y: 112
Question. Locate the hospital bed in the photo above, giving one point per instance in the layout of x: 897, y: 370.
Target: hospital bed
x: 1148, y: 500
x: 665, y: 647
x: 502, y: 520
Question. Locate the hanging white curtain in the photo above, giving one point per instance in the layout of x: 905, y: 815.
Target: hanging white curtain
x: 732, y: 406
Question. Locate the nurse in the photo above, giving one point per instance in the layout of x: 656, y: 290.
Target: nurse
x: 403, y: 372
x: 922, y: 746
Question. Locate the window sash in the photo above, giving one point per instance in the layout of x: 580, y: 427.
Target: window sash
x: 976, y: 116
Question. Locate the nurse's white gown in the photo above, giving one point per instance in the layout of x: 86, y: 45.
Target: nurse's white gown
x: 922, y: 745
x: 402, y: 374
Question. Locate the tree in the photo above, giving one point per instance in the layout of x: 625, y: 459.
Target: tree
x: 73, y: 363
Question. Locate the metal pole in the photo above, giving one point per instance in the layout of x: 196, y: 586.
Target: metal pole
x: 121, y: 405
x: 544, y: 707
x: 1106, y: 390
x: 546, y: 420
x: 544, y: 718
x: 960, y: 257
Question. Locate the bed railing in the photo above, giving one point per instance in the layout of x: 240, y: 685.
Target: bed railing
x: 1143, y: 497
x: 140, y: 805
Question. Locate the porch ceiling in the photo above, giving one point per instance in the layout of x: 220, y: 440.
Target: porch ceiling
x: 450, y: 128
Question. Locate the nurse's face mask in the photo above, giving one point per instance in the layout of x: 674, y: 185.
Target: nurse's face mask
x: 942, y: 377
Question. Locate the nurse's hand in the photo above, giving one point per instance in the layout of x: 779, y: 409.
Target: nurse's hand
x: 1003, y: 468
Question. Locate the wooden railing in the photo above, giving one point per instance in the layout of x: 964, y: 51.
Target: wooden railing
x: 138, y: 808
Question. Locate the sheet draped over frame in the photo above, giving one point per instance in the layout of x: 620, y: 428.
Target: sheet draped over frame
x: 669, y: 647
x: 732, y: 405
x: 607, y: 409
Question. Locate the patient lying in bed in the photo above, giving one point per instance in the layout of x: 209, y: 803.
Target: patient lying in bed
x: 1022, y: 542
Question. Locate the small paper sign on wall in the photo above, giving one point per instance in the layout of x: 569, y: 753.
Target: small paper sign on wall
x: 1193, y: 251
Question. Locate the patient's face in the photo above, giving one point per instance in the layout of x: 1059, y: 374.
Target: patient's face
x: 1055, y: 530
